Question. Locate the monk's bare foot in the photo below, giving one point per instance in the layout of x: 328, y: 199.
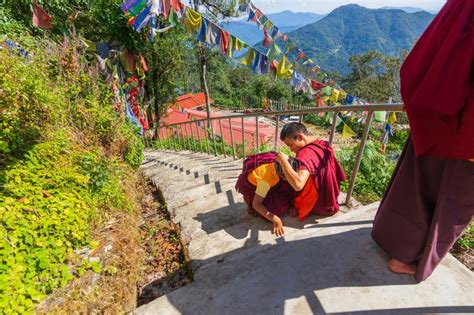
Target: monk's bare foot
x: 397, y: 266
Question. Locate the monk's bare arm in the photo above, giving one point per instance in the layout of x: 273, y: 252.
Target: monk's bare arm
x: 257, y: 204
x: 297, y: 179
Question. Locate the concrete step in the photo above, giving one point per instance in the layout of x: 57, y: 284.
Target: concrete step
x: 189, y: 195
x: 208, y: 169
x: 328, y: 267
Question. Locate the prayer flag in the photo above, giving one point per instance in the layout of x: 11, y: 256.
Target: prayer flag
x: 347, y: 132
x: 41, y: 18
x: 192, y: 20
x: 249, y: 57
x: 274, y: 52
x: 284, y: 70
x: 392, y: 118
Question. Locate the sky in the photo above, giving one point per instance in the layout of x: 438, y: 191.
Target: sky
x: 326, y: 6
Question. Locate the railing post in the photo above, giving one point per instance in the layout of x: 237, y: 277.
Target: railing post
x: 157, y: 133
x: 256, y: 138
x: 359, y: 156
x: 243, y: 138
x: 173, y: 142
x: 214, y: 139
x: 198, y: 136
x: 276, y: 131
x: 192, y: 136
x: 190, y: 142
x: 232, y: 138
x: 333, y: 127
x: 222, y: 137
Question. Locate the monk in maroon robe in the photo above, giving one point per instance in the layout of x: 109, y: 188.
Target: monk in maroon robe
x: 430, y: 199
x: 319, y: 174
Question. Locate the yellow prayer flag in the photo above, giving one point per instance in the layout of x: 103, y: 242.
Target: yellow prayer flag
x: 249, y: 57
x: 334, y: 96
x: 284, y: 70
x: 392, y: 118
x: 347, y: 132
x: 239, y: 45
x: 268, y: 25
x: 342, y: 96
x: 192, y: 20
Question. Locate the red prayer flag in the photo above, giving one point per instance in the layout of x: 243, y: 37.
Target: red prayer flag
x: 301, y: 56
x: 257, y: 15
x: 317, y: 85
x: 143, y: 62
x: 224, y: 41
x: 267, y: 40
x: 41, y: 18
x: 177, y: 5
x: 166, y: 4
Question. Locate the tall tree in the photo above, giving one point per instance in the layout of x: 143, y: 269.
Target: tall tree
x: 374, y: 76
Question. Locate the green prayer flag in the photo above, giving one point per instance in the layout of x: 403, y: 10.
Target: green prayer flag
x: 173, y: 18
x: 380, y: 116
x: 137, y: 8
x: 274, y: 52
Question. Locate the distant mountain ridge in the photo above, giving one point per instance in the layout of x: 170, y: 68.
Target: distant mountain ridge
x: 407, y: 9
x: 352, y: 29
x: 286, y: 21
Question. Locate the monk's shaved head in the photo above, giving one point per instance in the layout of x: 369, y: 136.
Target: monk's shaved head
x: 292, y: 129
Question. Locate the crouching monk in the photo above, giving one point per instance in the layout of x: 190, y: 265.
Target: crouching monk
x: 265, y: 189
x: 318, y: 176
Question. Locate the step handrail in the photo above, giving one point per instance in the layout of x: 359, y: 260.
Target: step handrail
x: 369, y: 108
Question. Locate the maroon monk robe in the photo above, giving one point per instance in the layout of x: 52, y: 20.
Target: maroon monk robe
x: 427, y: 205
x: 326, y: 172
x: 437, y: 84
x: 430, y: 198
x: 280, y: 197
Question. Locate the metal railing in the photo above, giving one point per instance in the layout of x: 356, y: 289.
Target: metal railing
x: 162, y: 133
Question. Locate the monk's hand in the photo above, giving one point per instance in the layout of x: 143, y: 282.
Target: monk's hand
x: 277, y: 226
x: 281, y: 157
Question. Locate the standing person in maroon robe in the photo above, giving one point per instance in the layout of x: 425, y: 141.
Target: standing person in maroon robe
x: 318, y: 178
x: 430, y: 199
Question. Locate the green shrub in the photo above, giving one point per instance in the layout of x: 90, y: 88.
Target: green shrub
x: 374, y: 173
x: 64, y: 155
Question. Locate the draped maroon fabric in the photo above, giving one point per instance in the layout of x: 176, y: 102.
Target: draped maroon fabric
x: 437, y: 84
x: 427, y: 205
x: 326, y: 172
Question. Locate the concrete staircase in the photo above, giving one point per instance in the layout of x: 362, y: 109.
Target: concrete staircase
x: 321, y: 265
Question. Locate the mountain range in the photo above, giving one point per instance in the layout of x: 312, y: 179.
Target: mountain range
x: 352, y: 29
x: 286, y: 21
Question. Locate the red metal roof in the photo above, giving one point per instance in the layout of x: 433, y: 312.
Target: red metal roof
x: 188, y: 101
